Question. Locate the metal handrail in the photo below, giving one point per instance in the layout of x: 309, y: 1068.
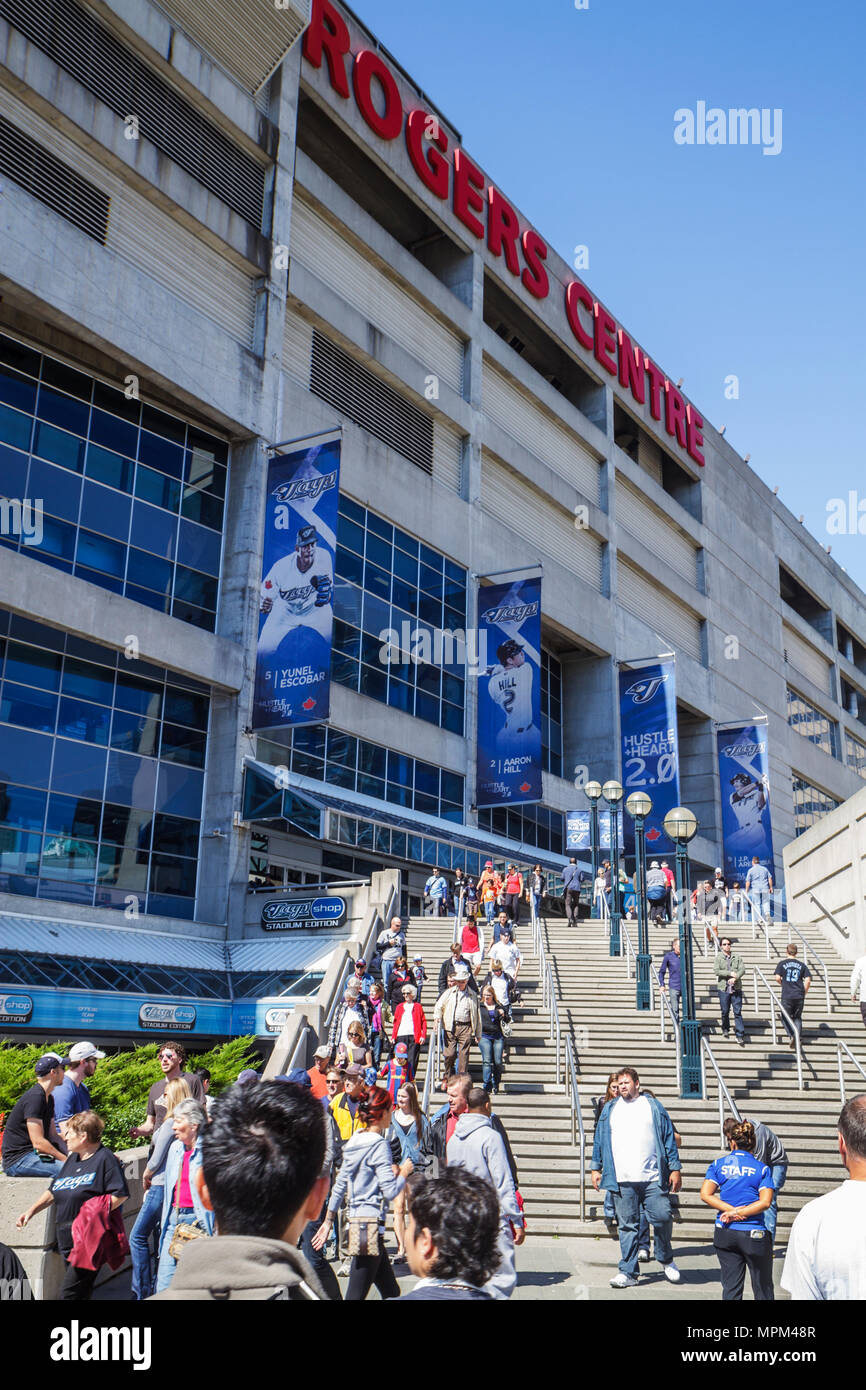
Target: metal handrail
x: 631, y: 953
x: 708, y: 927
x: 839, y: 1047
x: 806, y: 949
x: 829, y: 916
x: 458, y: 915
x: 433, y: 1054
x: 724, y: 1093
x: 573, y: 1093
x: 777, y: 1004
x: 555, y: 1026
x: 309, y: 887
x: 666, y: 1004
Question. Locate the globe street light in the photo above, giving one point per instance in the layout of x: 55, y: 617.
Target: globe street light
x: 612, y: 793
x: 639, y: 806
x: 681, y: 826
x: 592, y: 791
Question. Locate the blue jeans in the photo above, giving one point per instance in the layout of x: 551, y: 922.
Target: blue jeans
x: 726, y: 1000
x: 489, y: 909
x: 387, y: 969
x: 376, y: 1048
x: 779, y: 1172
x: 140, y: 1243
x: 491, y: 1056
x: 643, y: 1235
x: 183, y: 1216
x: 31, y: 1166
x: 633, y: 1200
x: 763, y: 903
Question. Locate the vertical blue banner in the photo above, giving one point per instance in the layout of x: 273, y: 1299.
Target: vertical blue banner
x: 509, y: 693
x: 578, y: 829
x: 650, y: 755
x: 293, y: 658
x: 743, y: 773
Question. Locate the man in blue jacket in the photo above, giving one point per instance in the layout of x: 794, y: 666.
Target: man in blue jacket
x: 571, y: 885
x: 635, y: 1158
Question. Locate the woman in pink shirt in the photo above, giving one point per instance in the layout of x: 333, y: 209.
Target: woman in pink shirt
x: 182, y: 1207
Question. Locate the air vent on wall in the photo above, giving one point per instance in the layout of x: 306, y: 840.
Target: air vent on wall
x: 94, y: 57
x: 370, y: 403
x: 56, y: 185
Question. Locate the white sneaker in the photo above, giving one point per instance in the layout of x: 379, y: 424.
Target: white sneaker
x: 623, y: 1281
x: 643, y: 1256
x: 672, y: 1273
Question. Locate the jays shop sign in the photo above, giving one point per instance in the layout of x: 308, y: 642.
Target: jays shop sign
x: 163, y: 1017
x: 302, y: 914
x: 364, y: 77
x: 15, y: 1009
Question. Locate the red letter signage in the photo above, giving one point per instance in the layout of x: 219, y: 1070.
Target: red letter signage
x: 327, y: 32
x: 605, y: 338
x: 657, y: 381
x: 576, y: 294
x: 468, y: 187
x: 503, y: 229
x: 535, y: 277
x: 425, y: 139
x: 369, y: 65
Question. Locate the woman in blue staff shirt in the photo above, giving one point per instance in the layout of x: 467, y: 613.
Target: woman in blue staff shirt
x: 741, y: 1189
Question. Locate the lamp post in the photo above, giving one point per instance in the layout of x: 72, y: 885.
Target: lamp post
x: 681, y: 826
x: 639, y: 806
x: 592, y: 791
x: 612, y: 793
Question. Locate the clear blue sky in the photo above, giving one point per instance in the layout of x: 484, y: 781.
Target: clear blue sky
x: 719, y: 259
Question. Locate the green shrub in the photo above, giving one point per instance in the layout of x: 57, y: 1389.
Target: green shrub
x: 121, y: 1083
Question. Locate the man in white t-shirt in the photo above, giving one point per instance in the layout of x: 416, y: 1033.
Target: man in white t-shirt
x: 826, y: 1258
x: 297, y: 591
x: 510, y: 687
x: 506, y: 952
x: 635, y: 1158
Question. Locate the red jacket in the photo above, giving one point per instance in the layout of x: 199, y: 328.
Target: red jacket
x: 419, y: 1022
x: 98, y: 1235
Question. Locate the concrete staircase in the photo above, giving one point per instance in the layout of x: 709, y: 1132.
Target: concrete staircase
x: 597, y: 1003
x: 533, y: 1108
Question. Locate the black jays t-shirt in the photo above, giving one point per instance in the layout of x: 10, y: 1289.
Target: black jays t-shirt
x: 792, y: 973
x: 78, y: 1181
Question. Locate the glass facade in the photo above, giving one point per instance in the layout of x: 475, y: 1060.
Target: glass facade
x: 101, y: 774
x: 856, y: 755
x: 810, y: 804
x: 386, y: 581
x: 528, y: 825
x: 551, y: 714
x: 346, y: 761
x: 132, y: 498
x: 71, y: 972
x: 813, y: 724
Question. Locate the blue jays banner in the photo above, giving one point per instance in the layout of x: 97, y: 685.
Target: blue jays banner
x: 746, y: 828
x: 293, y: 659
x: 650, y: 756
x: 578, y: 830
x: 509, y: 693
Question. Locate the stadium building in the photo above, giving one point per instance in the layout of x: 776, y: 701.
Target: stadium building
x: 218, y: 236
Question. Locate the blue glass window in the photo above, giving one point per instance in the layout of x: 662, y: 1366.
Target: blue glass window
x: 23, y: 807
x: 106, y: 511
x: 15, y: 427
x: 82, y: 720
x: 32, y: 709
x: 17, y: 390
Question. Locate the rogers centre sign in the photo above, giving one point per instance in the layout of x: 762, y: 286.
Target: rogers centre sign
x: 484, y: 211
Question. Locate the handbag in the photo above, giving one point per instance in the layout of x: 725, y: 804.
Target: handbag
x: 182, y: 1235
x: 363, y: 1234
x: 506, y: 1027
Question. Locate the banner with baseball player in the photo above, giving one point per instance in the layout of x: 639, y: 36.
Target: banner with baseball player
x: 743, y: 772
x: 578, y: 830
x: 293, y: 658
x: 650, y: 752
x: 509, y: 694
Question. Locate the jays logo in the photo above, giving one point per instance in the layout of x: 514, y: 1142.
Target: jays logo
x: 305, y: 487
x: 642, y: 691
x: 512, y: 613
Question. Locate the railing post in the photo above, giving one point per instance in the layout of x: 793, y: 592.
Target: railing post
x: 841, y: 1073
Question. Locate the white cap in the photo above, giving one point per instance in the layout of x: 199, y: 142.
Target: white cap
x: 79, y: 1052
x: 461, y: 972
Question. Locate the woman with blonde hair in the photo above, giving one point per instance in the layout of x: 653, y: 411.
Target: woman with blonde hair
x: 153, y: 1184
x: 740, y: 1189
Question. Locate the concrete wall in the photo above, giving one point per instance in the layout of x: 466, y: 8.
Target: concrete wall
x: 829, y: 860
x: 43, y: 1265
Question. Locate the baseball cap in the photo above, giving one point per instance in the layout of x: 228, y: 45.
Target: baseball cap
x: 489, y: 864
x: 370, y: 1076
x: 307, y: 535
x: 354, y: 1071
x: 461, y: 972
x: 507, y: 649
x: 654, y: 864
x: 505, y: 929
x: 297, y: 1077
x: 322, y: 1052
x: 47, y: 1062
x: 247, y: 1076
x: 417, y: 957
x: 401, y: 1050
x: 360, y: 961
x: 80, y: 1051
